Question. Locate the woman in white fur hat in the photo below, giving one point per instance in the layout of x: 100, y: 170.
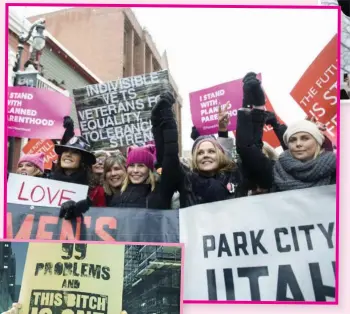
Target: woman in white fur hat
x: 305, y: 164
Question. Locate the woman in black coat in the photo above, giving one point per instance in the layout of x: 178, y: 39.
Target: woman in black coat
x: 304, y: 163
x: 214, y: 176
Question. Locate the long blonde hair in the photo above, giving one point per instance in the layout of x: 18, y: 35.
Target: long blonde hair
x: 269, y: 151
x: 36, y: 173
x: 109, y: 163
x: 225, y: 164
x: 150, y: 180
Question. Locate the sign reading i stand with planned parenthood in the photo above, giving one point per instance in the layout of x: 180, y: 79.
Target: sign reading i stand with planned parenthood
x: 36, y: 113
x: 117, y: 113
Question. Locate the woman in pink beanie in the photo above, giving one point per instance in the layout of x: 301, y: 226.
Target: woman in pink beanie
x: 31, y: 165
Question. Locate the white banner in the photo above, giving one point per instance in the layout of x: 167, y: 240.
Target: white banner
x: 273, y: 247
x: 26, y: 190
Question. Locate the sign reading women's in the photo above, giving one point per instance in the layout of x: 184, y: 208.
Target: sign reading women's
x: 72, y: 278
x: 117, y: 113
x: 274, y: 247
x: 316, y: 91
x: 36, y: 112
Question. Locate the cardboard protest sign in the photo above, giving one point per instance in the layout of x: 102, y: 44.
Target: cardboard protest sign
x: 117, y: 114
x: 36, y: 112
x: 35, y: 146
x: 98, y: 224
x: 281, y: 247
x: 316, y: 91
x: 73, y: 278
x: 35, y: 191
x: 269, y: 135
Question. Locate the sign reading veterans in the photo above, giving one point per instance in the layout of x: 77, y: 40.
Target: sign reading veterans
x: 117, y: 114
x: 316, y: 91
x: 35, y: 191
x: 36, y: 112
x: 273, y: 247
x: 73, y: 278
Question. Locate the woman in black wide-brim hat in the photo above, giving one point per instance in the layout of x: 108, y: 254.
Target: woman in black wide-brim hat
x: 74, y: 157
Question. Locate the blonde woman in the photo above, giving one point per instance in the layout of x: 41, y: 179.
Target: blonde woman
x: 142, y: 187
x: 305, y: 164
x: 31, y: 165
x: 213, y: 177
x: 113, y: 176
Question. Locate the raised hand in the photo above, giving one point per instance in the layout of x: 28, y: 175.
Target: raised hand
x: 223, y: 118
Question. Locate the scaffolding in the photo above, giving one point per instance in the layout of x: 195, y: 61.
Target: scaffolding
x: 152, y: 279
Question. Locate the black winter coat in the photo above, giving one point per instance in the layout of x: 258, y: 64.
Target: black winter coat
x: 194, y: 188
x: 141, y: 196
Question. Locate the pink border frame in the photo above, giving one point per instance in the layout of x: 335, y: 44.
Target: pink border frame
x: 181, y: 245
x: 211, y: 6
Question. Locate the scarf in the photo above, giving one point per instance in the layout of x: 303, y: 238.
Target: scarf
x: 291, y: 173
x: 79, y: 177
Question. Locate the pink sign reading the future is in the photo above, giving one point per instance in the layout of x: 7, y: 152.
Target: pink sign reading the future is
x: 205, y: 105
x: 36, y: 113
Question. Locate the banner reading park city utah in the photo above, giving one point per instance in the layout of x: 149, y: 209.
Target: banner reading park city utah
x: 275, y: 250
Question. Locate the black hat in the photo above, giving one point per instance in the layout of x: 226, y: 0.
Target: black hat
x: 80, y: 144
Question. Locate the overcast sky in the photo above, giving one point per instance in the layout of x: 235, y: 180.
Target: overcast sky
x: 207, y: 47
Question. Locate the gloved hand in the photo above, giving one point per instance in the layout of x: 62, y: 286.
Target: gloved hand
x: 162, y: 108
x: 194, y: 134
x: 68, y: 122
x: 253, y: 94
x: 72, y: 209
x: 271, y: 119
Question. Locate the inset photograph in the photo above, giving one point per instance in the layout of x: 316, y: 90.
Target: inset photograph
x: 38, y: 277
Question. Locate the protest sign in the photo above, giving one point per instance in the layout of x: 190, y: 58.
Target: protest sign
x: 35, y: 146
x: 35, y: 191
x: 205, y: 105
x: 316, y: 91
x: 36, y: 112
x: 98, y: 224
x: 72, y: 278
x: 269, y: 135
x: 273, y: 247
x: 117, y: 114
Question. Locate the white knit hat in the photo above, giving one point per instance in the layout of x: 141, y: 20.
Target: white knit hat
x: 304, y: 126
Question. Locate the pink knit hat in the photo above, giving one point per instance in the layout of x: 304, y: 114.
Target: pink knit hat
x: 140, y: 155
x: 35, y: 159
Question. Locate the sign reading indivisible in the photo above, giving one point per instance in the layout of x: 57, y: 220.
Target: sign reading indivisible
x: 281, y: 247
x: 117, y: 114
x: 316, y: 91
x: 47, y: 147
x: 36, y: 113
x: 73, y: 278
x: 34, y: 191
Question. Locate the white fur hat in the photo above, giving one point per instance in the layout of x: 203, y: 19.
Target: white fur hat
x: 304, y: 126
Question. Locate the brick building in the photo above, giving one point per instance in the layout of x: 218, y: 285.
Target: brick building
x: 61, y: 70
x: 111, y: 42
